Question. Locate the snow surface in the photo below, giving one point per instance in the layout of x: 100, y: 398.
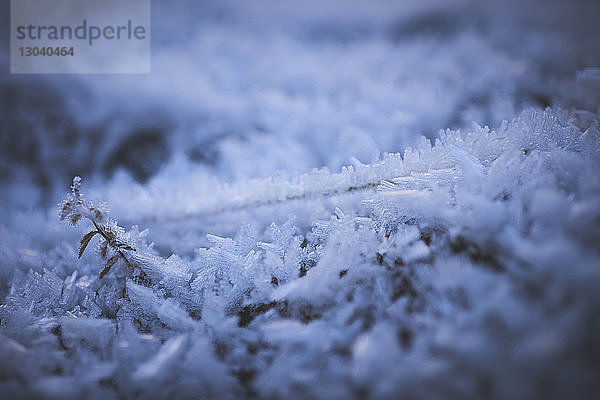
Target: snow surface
x: 319, y: 200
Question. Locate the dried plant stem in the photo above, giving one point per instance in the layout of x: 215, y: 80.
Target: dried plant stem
x: 119, y: 252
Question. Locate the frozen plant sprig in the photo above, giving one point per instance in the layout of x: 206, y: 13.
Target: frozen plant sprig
x: 114, y: 243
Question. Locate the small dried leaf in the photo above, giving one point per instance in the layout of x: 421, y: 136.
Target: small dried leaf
x: 75, y: 219
x: 85, y: 241
x: 111, y: 261
x: 104, y: 250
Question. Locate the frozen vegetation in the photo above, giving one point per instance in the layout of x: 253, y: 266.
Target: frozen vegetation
x: 321, y: 201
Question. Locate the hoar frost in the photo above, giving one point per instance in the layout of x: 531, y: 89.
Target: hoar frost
x: 480, y: 247
x: 259, y: 245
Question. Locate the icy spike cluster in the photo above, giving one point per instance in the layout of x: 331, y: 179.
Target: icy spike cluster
x: 469, y: 269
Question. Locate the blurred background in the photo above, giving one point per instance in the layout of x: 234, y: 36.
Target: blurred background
x: 243, y: 90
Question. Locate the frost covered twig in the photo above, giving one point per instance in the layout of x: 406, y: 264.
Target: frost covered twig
x: 314, y: 186
x: 114, y: 240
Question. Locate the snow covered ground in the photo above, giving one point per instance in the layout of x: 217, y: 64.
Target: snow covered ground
x: 317, y: 200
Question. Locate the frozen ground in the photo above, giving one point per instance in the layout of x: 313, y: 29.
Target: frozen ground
x: 313, y: 206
